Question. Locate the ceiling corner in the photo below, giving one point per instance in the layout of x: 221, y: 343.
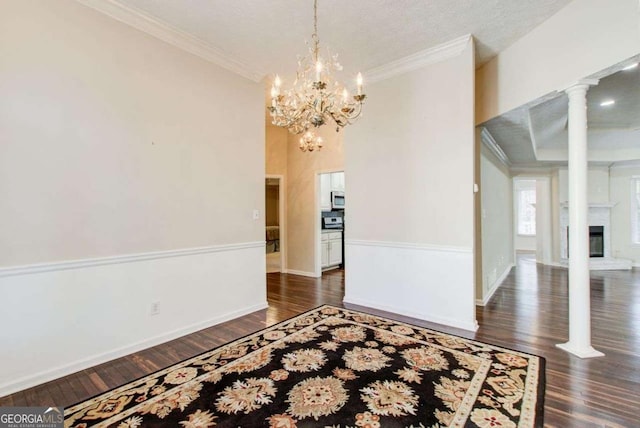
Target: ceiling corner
x: 163, y: 31
x: 420, y: 59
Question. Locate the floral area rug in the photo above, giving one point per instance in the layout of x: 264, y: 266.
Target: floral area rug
x: 332, y: 367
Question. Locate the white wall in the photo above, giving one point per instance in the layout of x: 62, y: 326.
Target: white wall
x: 497, y: 223
x: 583, y: 38
x: 544, y: 226
x: 525, y: 243
x: 555, y: 217
x: 597, y: 184
x: 620, y: 192
x: 139, y: 160
x: 410, y: 173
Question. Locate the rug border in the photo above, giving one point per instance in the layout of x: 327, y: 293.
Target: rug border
x: 539, y: 418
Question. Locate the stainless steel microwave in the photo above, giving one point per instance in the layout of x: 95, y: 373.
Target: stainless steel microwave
x: 337, y: 200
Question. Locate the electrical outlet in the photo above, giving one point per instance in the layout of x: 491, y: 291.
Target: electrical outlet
x: 256, y: 214
x: 155, y: 308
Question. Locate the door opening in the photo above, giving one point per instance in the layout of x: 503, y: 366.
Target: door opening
x: 273, y: 224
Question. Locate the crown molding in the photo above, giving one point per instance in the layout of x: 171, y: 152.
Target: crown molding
x: 420, y: 59
x: 165, y: 32
x: 492, y: 145
x: 625, y: 164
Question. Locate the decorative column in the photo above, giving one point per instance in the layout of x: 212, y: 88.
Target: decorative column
x: 579, y: 281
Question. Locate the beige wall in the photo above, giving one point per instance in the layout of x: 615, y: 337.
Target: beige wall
x: 276, y: 149
x: 113, y: 142
x: 136, y: 166
x: 302, y: 210
x: 410, y: 173
x: 408, y: 149
x: 583, y: 38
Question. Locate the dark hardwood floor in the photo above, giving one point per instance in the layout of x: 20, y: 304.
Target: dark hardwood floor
x: 527, y: 313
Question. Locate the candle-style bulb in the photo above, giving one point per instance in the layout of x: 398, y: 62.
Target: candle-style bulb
x: 274, y: 92
x: 277, y: 81
x: 359, y: 82
x: 318, y: 70
x: 345, y: 95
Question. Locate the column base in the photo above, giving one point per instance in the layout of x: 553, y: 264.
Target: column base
x: 582, y: 352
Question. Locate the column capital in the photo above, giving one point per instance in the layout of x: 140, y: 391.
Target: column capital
x: 582, y: 84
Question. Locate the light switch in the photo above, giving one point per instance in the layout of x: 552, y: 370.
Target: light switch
x: 256, y: 214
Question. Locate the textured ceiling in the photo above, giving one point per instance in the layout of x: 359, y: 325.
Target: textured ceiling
x: 266, y: 36
x: 539, y: 131
x: 263, y: 37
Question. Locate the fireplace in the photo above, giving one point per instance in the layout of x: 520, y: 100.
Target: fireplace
x: 599, y: 220
x: 596, y: 241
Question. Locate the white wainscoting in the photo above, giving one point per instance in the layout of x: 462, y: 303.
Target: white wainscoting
x: 59, y: 318
x: 432, y: 283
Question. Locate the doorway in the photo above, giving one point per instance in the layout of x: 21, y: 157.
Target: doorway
x: 274, y: 223
x: 532, y: 217
x: 330, y: 233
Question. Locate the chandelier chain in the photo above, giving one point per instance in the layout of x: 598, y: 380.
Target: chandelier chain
x: 314, y: 36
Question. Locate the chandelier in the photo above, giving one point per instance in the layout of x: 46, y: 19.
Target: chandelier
x: 310, y: 142
x: 315, y: 98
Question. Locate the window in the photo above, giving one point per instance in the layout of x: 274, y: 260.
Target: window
x: 526, y: 209
x: 635, y: 210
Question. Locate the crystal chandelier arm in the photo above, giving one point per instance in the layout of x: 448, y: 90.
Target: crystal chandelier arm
x: 315, y: 98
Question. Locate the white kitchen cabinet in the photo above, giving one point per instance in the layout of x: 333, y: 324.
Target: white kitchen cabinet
x: 337, y: 181
x: 324, y: 251
x: 325, y: 192
x: 330, y: 182
x: 331, y: 249
x: 335, y: 252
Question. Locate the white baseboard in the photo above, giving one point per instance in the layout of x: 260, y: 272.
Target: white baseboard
x: 495, y: 286
x: 555, y: 264
x: 450, y: 322
x: 67, y: 369
x: 301, y: 273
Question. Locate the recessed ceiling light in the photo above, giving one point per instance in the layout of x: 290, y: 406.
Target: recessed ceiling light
x: 631, y: 67
x: 607, y: 103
